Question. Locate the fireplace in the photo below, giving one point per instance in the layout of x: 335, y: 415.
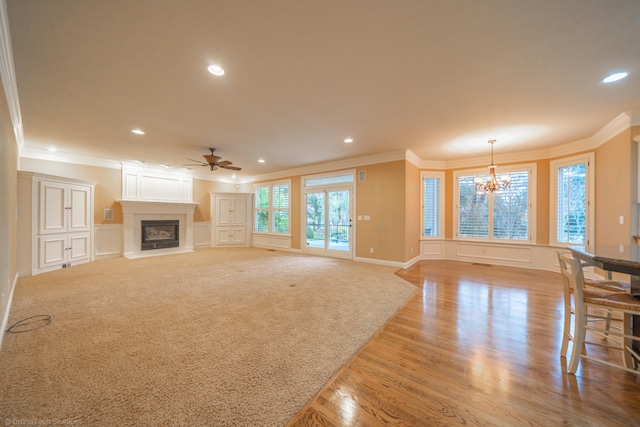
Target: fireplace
x: 160, y: 234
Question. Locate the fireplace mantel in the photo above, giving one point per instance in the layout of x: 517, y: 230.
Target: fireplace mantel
x: 135, y: 211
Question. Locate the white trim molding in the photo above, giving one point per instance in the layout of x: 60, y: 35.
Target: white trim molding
x: 7, y: 72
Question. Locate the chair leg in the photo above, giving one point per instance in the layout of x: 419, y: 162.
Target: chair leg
x: 566, y: 331
x: 579, y: 333
x: 627, y: 342
x: 607, y: 325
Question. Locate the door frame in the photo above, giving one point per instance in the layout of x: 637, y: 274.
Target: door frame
x: 326, y: 187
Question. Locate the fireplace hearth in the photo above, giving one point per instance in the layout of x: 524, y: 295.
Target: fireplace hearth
x: 160, y: 234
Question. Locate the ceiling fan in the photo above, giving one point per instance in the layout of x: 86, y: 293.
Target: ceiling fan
x: 214, y: 162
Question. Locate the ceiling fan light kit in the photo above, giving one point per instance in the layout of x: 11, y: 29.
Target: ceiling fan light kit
x: 214, y: 162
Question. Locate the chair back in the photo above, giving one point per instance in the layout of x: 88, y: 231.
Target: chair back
x: 572, y: 278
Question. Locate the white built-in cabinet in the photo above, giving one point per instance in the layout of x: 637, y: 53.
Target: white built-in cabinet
x: 231, y: 219
x: 55, y: 222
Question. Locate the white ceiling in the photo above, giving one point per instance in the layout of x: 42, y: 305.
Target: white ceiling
x: 438, y: 78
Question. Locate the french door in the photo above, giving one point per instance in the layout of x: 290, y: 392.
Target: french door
x: 328, y: 222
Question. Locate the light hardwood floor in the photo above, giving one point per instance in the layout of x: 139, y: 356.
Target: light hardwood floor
x: 476, y: 345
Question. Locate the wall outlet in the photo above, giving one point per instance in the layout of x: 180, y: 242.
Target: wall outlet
x: 621, y: 220
x: 370, y: 250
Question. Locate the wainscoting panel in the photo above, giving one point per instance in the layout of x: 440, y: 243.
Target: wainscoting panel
x: 520, y: 254
x: 432, y: 249
x: 107, y: 241
x: 270, y: 241
x: 201, y: 234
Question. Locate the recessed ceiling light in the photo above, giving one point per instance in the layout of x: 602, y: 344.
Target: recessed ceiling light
x: 138, y: 131
x: 615, y: 77
x: 52, y: 149
x: 216, y: 70
x: 260, y: 160
x: 348, y: 140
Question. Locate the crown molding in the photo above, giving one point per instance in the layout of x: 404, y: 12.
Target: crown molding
x: 619, y: 124
x: 7, y: 73
x: 333, y: 165
x: 42, y: 154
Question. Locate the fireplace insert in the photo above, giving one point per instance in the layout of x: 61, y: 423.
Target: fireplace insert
x: 160, y: 234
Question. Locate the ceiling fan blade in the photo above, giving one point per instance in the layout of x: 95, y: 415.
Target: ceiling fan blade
x: 198, y: 162
x: 224, y: 163
x: 195, y: 164
x: 233, y: 168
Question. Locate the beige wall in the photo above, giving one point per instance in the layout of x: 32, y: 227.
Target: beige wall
x: 542, y: 202
x: 382, y: 197
x: 613, y: 190
x: 8, y: 207
x: 412, y: 205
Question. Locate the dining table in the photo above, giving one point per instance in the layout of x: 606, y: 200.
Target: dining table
x: 616, y: 258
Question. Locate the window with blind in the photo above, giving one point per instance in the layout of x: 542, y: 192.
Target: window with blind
x: 272, y: 208
x: 502, y: 215
x: 432, y: 204
x: 570, y: 196
x: 281, y: 208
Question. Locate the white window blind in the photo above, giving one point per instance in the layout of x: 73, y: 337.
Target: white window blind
x: 262, y: 209
x: 281, y: 208
x: 473, y: 216
x: 572, y: 204
x: 511, y: 209
x: 501, y: 215
x: 431, y: 207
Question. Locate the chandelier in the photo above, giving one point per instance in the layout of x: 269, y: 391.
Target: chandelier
x: 492, y: 183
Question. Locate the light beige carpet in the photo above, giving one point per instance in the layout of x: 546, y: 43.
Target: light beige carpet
x: 218, y: 337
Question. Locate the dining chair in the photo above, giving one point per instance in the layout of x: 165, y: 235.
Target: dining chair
x: 570, y: 300
x: 583, y: 303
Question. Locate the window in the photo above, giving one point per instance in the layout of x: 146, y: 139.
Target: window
x: 570, y: 195
x: 432, y: 204
x: 272, y: 208
x: 500, y: 216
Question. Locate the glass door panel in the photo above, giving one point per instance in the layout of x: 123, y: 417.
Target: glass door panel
x: 339, y: 220
x: 315, y: 220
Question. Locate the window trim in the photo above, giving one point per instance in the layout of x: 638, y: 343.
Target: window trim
x: 532, y: 168
x: 441, y: 204
x: 270, y: 210
x: 554, y: 165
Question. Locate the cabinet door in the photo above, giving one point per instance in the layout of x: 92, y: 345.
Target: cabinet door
x: 52, y: 250
x: 223, y: 236
x: 238, y: 236
x: 52, y: 210
x: 238, y: 214
x: 230, y: 211
x: 78, y: 201
x: 78, y: 247
x: 224, y: 211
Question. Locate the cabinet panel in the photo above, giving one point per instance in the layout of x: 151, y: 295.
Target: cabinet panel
x: 79, y: 249
x: 230, y: 236
x: 52, y: 250
x: 80, y: 208
x: 238, y: 214
x: 53, y: 212
x: 223, y: 236
x: 223, y: 211
x: 238, y: 236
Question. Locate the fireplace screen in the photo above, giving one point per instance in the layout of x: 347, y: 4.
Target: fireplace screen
x: 160, y: 234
